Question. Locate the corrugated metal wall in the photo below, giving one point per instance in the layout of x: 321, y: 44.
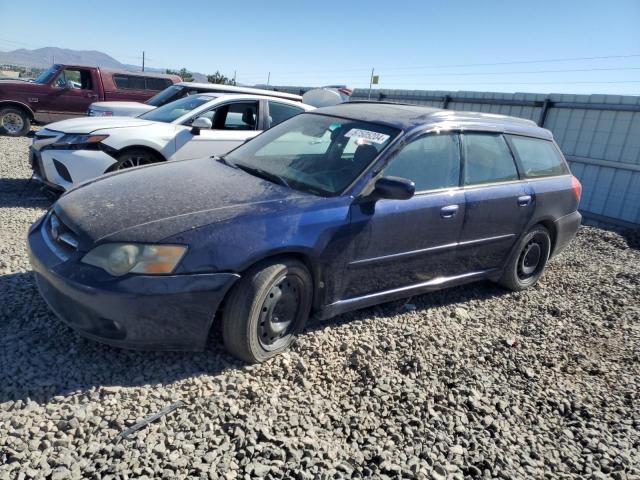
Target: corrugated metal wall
x: 599, y: 135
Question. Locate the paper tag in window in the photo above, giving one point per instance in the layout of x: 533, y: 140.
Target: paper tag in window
x: 368, y: 135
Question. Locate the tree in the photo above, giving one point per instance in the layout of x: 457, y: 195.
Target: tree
x: 185, y: 74
x: 220, y: 78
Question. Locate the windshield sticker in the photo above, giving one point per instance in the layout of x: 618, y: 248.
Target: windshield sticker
x: 368, y: 135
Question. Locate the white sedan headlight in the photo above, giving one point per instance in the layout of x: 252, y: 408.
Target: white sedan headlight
x: 100, y: 113
x: 122, y: 258
x: 79, y: 139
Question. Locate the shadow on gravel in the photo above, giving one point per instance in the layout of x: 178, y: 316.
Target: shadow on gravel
x: 484, y: 290
x: 22, y: 192
x: 40, y: 357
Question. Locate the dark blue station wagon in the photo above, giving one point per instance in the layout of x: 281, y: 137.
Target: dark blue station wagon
x: 333, y: 210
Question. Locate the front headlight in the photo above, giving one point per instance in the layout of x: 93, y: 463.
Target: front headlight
x: 100, y: 113
x: 122, y: 258
x: 79, y: 139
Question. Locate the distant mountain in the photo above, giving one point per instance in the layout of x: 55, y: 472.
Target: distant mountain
x: 44, y: 57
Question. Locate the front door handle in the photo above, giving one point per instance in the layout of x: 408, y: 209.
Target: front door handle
x: 449, y: 211
x: 524, y: 200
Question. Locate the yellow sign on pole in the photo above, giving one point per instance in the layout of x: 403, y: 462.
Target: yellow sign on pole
x: 374, y: 79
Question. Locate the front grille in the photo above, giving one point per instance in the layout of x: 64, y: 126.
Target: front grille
x: 60, y: 238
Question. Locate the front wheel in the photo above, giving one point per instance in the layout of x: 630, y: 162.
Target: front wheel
x: 14, y: 122
x: 134, y: 158
x: 528, y: 261
x: 266, y: 310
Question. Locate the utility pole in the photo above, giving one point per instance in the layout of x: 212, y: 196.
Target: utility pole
x: 268, y: 79
x: 143, y: 60
x: 234, y: 77
x: 370, y: 83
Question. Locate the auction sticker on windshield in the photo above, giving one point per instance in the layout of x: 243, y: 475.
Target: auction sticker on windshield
x: 374, y: 137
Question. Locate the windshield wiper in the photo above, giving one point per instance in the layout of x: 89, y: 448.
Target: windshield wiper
x: 258, y: 172
x: 223, y: 159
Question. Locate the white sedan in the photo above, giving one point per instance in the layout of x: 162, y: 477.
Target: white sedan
x: 66, y: 153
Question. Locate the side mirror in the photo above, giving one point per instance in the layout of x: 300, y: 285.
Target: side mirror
x: 199, y: 123
x: 394, y: 188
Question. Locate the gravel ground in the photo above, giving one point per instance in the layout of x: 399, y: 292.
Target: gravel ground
x: 473, y: 382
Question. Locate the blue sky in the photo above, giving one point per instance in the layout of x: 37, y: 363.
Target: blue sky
x: 417, y: 44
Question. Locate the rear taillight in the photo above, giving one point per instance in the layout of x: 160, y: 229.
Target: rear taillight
x: 577, y: 187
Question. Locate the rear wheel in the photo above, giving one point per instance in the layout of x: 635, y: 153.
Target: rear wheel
x: 14, y: 122
x: 265, y: 311
x: 526, y: 265
x: 134, y: 158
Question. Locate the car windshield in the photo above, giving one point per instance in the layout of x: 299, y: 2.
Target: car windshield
x: 314, y: 153
x: 167, y: 95
x: 47, y: 75
x: 174, y: 110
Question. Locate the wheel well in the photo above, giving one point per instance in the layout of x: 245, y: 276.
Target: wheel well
x: 549, y: 225
x: 152, y: 151
x: 19, y: 106
x: 301, y: 257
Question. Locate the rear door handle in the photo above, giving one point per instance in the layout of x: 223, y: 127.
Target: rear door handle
x: 524, y: 200
x: 449, y: 211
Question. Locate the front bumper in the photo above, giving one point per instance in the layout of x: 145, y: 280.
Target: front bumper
x: 63, y: 169
x: 172, y: 312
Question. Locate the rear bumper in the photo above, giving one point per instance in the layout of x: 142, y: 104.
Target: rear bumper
x: 566, y: 228
x: 172, y: 312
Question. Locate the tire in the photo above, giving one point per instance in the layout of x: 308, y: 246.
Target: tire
x: 527, y: 263
x: 252, y: 325
x: 134, y: 157
x: 14, y: 122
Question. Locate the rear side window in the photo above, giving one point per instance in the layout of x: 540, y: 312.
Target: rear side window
x: 539, y: 158
x: 487, y: 159
x: 279, y: 112
x: 432, y: 162
x: 157, y: 83
x: 135, y: 82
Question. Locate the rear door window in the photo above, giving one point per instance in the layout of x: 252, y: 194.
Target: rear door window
x: 432, y: 162
x: 279, y: 112
x: 538, y: 158
x: 487, y: 159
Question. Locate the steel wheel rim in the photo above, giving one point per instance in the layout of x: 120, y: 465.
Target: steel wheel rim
x: 531, y: 259
x: 12, y: 122
x: 133, y: 161
x: 280, y: 312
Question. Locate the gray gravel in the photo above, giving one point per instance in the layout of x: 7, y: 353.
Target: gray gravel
x: 472, y: 382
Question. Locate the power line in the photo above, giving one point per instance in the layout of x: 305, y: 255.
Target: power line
x: 421, y: 75
x: 518, y: 62
x: 510, y: 72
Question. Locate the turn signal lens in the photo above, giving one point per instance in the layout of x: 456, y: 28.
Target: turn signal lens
x: 122, y: 258
x: 577, y: 187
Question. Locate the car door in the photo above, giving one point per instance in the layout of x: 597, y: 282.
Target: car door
x: 73, y: 90
x: 498, y: 203
x: 232, y: 124
x: 399, y: 243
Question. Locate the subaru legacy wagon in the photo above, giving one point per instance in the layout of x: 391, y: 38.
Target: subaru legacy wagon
x: 332, y: 210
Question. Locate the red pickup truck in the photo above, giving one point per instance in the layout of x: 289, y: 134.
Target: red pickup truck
x: 66, y: 91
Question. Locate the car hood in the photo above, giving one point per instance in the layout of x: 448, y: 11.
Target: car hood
x: 151, y: 203
x: 91, y: 124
